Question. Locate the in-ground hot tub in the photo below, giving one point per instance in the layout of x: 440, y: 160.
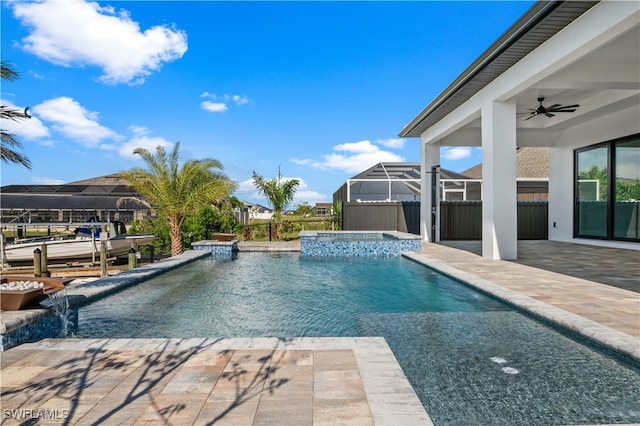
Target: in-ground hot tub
x: 358, y: 243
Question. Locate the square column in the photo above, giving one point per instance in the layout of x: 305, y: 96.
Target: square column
x: 499, y: 187
x: 430, y: 156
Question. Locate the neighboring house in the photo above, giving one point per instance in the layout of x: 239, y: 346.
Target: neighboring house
x: 532, y: 173
x: 324, y: 209
x: 256, y: 211
x: 76, y: 201
x: 580, y: 55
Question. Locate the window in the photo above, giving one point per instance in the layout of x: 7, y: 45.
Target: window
x: 607, y: 188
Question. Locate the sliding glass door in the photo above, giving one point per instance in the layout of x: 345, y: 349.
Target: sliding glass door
x: 627, y: 194
x: 607, y: 190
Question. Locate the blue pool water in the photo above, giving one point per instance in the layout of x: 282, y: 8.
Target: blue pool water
x: 471, y: 359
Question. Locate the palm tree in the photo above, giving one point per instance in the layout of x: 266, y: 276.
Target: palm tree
x: 596, y: 173
x: 279, y: 192
x: 8, y: 142
x: 176, y: 192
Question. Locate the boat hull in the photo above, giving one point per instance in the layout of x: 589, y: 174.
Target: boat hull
x: 74, y: 249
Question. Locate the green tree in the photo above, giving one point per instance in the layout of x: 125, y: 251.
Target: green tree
x: 305, y: 210
x: 9, y: 144
x: 279, y: 192
x: 627, y: 190
x: 175, y: 192
x: 336, y: 216
x: 596, y: 173
x: 156, y: 226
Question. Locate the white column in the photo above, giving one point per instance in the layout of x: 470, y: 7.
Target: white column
x: 499, y: 198
x: 430, y: 156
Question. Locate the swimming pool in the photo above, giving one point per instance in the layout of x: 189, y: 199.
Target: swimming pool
x: 471, y: 359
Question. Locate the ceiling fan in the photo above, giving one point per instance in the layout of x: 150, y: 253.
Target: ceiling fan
x: 548, y: 111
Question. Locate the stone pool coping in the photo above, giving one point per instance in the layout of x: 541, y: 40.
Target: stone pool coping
x: 621, y: 344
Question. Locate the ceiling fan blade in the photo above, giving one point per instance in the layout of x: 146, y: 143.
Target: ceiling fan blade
x: 567, y: 107
x: 529, y: 118
x: 564, y: 110
x: 553, y: 106
x: 548, y: 114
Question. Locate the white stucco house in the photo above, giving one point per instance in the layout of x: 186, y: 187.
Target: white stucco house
x: 583, y: 59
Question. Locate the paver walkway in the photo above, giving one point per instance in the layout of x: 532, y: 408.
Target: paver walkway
x: 260, y: 381
x: 556, y: 273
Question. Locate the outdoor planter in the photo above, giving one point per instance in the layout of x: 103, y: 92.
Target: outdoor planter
x: 220, y: 236
x: 14, y: 300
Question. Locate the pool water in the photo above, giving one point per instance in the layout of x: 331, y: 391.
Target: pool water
x: 471, y: 359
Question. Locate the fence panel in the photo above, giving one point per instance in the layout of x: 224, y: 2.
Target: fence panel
x: 463, y: 220
x: 370, y: 216
x: 409, y: 217
x: 533, y: 220
x: 459, y: 220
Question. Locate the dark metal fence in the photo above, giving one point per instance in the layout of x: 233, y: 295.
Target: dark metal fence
x: 459, y: 220
x: 283, y: 230
x: 462, y: 220
x: 403, y: 217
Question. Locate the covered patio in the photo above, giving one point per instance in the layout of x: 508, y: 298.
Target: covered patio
x: 566, y: 76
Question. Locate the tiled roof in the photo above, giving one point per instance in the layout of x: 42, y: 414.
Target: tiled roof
x: 531, y: 162
x: 112, y: 179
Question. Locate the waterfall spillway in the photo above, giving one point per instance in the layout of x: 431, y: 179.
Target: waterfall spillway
x: 60, y: 307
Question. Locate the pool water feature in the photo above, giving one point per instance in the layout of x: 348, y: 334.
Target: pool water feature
x: 470, y: 358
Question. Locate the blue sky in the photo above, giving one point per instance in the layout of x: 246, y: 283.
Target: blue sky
x: 319, y: 90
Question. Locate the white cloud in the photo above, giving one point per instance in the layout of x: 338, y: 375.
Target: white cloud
x: 72, y: 120
x: 392, y: 143
x: 220, y: 103
x: 81, y: 33
x: 214, y: 106
x: 240, y: 100
x: 301, y: 161
x: 360, y: 156
x: 455, y: 153
x: 29, y: 129
x: 357, y: 147
x: 141, y: 139
x: 307, y: 196
x: 47, y: 181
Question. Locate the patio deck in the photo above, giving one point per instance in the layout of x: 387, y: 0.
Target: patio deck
x: 306, y: 380
x: 598, y: 283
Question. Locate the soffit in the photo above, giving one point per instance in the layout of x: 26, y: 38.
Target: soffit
x: 542, y: 21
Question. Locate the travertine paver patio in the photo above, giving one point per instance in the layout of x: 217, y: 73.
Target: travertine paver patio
x: 260, y: 381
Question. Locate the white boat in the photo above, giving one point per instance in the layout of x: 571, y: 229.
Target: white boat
x: 86, y: 244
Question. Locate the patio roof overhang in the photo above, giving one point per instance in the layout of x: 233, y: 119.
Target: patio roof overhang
x: 601, y: 74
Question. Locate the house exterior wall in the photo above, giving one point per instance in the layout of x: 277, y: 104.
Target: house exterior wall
x: 561, y: 170
x: 592, y: 31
